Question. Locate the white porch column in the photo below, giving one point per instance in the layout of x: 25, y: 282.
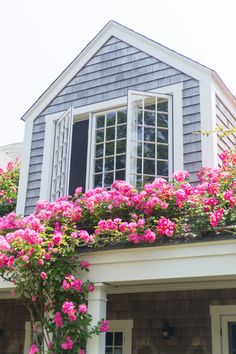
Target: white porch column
x: 97, y: 302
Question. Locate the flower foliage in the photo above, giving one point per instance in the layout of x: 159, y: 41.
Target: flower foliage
x: 40, y: 252
x: 9, y: 179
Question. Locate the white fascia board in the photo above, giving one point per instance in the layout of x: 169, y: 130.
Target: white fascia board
x: 167, y: 263
x: 152, y: 48
x: 24, y: 168
x: 224, y: 93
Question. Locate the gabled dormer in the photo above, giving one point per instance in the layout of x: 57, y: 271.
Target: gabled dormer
x: 125, y: 108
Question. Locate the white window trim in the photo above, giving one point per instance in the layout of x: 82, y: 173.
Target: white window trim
x: 219, y: 318
x: 88, y: 111
x: 126, y: 327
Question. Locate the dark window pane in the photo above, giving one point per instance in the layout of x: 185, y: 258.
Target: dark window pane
x: 110, y: 133
x: 139, y: 149
x: 78, y: 156
x: 149, y: 134
x: 109, y: 338
x: 149, y: 118
x: 162, y: 136
x: 121, y: 131
x: 162, y: 152
x: 100, y: 121
x: 120, y: 175
x: 150, y: 103
x: 148, y: 179
x: 121, y: 117
x: 232, y: 336
x: 108, y: 350
x: 98, y: 180
x: 162, y: 168
x: 98, y: 165
x: 139, y: 181
x: 111, y: 118
x: 139, y: 117
x: 118, y: 351
x: 99, y: 150
x: 139, y: 134
x: 109, y: 164
x: 108, y: 180
x: 120, y: 146
x: 149, y: 167
x: 110, y: 148
x: 149, y: 150
x: 120, y: 161
x: 139, y: 165
x: 162, y: 120
x: 162, y: 106
x: 99, y: 136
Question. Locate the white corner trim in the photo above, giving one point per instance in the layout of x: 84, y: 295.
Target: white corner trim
x: 152, y: 48
x: 24, y: 168
x: 208, y: 122
x: 48, y: 155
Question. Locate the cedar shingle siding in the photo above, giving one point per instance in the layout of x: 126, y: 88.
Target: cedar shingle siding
x: 12, y: 323
x: 114, y: 69
x: 187, y: 311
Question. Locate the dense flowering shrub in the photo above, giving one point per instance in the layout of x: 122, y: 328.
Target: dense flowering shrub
x: 9, y: 179
x: 40, y: 252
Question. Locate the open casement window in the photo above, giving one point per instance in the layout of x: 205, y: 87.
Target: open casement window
x: 149, y: 137
x: 135, y: 144
x: 119, y: 338
x: 61, y: 155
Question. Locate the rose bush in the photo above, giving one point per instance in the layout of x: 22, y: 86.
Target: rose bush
x: 9, y: 179
x: 40, y: 253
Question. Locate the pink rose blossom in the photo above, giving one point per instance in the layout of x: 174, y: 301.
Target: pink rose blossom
x: 34, y: 349
x: 84, y: 264
x: 43, y: 275
x: 68, y: 344
x: 58, y: 319
x: 82, y: 308
x: 180, y: 176
x: 104, y: 326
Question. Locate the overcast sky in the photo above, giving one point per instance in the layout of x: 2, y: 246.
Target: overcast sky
x: 39, y: 38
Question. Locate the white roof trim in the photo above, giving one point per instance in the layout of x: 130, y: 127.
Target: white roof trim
x: 135, y: 39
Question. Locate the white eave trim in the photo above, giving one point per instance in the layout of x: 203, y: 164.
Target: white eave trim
x: 201, y: 261
x: 152, y: 48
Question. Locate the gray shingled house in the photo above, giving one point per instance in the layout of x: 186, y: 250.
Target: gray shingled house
x: 126, y: 108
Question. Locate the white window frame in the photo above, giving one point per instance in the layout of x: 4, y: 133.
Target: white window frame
x: 87, y: 112
x: 126, y: 327
x: 220, y: 316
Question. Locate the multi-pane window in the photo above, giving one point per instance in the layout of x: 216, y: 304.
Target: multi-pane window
x: 149, y: 153
x: 114, y: 343
x: 110, y: 147
x: 134, y: 144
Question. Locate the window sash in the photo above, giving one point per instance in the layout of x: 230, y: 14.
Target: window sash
x: 61, y: 156
x: 131, y: 160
